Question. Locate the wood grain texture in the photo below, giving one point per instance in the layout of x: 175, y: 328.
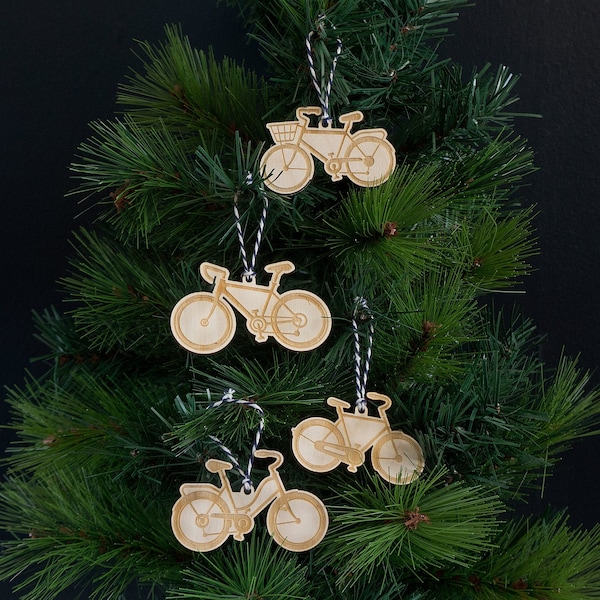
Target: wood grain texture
x: 205, y: 516
x: 321, y: 445
x: 365, y: 157
x: 204, y: 322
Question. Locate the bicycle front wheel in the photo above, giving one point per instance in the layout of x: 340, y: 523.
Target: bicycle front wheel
x: 398, y: 458
x: 297, y: 521
x: 287, y: 168
x: 301, y: 321
x: 202, y: 324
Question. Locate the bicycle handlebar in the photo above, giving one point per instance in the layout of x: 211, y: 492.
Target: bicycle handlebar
x: 387, y: 402
x: 302, y: 111
x: 271, y: 454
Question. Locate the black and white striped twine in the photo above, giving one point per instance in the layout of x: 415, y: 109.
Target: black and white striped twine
x: 229, y: 399
x: 250, y: 268
x: 361, y: 367
x: 323, y: 97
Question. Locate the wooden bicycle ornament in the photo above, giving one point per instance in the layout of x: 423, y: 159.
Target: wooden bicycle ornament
x: 205, y: 515
x: 366, y: 157
x: 204, y: 322
x: 320, y: 445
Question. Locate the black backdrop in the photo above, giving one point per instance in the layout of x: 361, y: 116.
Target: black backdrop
x: 60, y: 63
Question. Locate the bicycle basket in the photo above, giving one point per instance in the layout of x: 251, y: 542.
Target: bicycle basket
x: 283, y: 132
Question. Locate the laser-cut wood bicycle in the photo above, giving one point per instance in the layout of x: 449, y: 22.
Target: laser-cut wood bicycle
x: 366, y: 157
x: 205, y: 515
x: 320, y: 445
x: 204, y: 322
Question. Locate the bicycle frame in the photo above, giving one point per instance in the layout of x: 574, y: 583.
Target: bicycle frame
x: 248, y: 298
x: 367, y: 431
x: 253, y: 503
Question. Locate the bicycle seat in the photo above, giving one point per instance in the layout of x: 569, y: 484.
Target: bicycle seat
x: 211, y: 272
x: 285, y: 266
x: 337, y: 402
x: 351, y: 117
x: 215, y: 465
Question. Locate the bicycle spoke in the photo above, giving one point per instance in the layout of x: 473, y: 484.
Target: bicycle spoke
x: 290, y: 522
x: 358, y: 147
x: 288, y: 165
x: 204, y: 513
x: 395, y: 451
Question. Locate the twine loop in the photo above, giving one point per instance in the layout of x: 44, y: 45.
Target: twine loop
x: 228, y: 398
x: 362, y: 314
x: 323, y: 95
x: 250, y: 266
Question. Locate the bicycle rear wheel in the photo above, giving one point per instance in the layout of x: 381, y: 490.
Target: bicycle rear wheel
x: 370, y: 161
x: 311, y: 434
x: 198, y: 521
x: 202, y: 324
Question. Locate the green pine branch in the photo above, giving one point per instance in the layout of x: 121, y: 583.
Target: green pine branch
x: 116, y: 535
x: 255, y: 569
x: 380, y: 530
x: 505, y: 421
x: 190, y: 92
x: 543, y: 559
x: 83, y: 417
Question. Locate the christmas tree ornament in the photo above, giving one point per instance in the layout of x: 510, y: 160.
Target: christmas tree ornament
x: 206, y: 515
x: 365, y: 157
x: 321, y: 445
x: 204, y: 322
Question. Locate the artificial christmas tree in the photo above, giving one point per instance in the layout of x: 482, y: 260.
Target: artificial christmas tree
x: 126, y: 416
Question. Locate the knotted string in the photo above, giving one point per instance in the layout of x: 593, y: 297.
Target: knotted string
x: 361, y: 367
x: 249, y: 268
x: 323, y: 97
x: 229, y: 399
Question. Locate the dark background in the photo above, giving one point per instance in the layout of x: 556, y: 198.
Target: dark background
x: 61, y: 61
x: 554, y: 47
